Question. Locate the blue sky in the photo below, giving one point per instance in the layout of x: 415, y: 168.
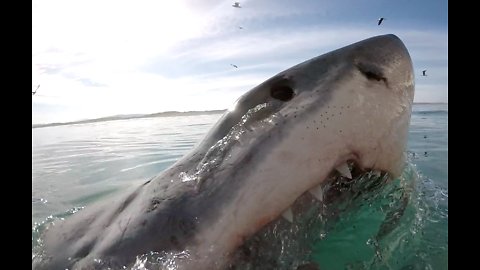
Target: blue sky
x: 99, y: 58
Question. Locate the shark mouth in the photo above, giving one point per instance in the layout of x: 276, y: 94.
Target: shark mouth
x: 285, y: 243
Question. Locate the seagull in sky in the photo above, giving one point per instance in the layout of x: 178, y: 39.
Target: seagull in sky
x: 33, y: 92
x: 380, y: 20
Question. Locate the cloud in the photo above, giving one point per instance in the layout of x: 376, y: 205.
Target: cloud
x: 115, y: 57
x: 89, y: 83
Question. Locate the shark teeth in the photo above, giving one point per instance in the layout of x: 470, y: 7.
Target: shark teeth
x: 344, y: 170
x: 288, y: 214
x: 317, y: 192
x: 375, y: 173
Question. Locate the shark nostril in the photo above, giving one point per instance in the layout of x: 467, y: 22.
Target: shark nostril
x: 371, y: 72
x: 373, y: 76
x: 281, y: 92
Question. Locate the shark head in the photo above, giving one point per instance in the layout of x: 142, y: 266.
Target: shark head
x: 344, y: 110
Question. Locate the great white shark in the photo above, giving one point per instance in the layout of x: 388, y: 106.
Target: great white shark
x: 349, y: 108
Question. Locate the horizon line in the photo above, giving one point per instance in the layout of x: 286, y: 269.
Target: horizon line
x: 147, y: 115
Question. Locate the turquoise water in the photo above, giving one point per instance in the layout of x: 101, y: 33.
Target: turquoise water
x: 73, y: 166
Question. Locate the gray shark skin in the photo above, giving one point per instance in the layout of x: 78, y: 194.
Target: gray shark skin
x: 280, y: 140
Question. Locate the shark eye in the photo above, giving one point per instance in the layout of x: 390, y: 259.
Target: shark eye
x: 281, y: 92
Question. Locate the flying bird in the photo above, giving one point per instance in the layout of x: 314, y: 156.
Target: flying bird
x: 380, y: 20
x: 240, y: 27
x: 236, y: 4
x: 235, y: 66
x: 33, y: 92
x: 424, y: 72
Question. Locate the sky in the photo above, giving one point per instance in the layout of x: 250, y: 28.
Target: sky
x: 100, y: 58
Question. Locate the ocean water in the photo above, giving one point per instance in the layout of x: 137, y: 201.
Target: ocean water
x: 75, y: 165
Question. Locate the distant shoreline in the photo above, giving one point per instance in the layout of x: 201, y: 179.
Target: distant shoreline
x: 161, y: 114
x: 130, y: 116
x: 430, y: 103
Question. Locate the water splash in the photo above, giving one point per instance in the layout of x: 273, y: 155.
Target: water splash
x: 256, y: 118
x: 39, y: 227
x: 159, y: 260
